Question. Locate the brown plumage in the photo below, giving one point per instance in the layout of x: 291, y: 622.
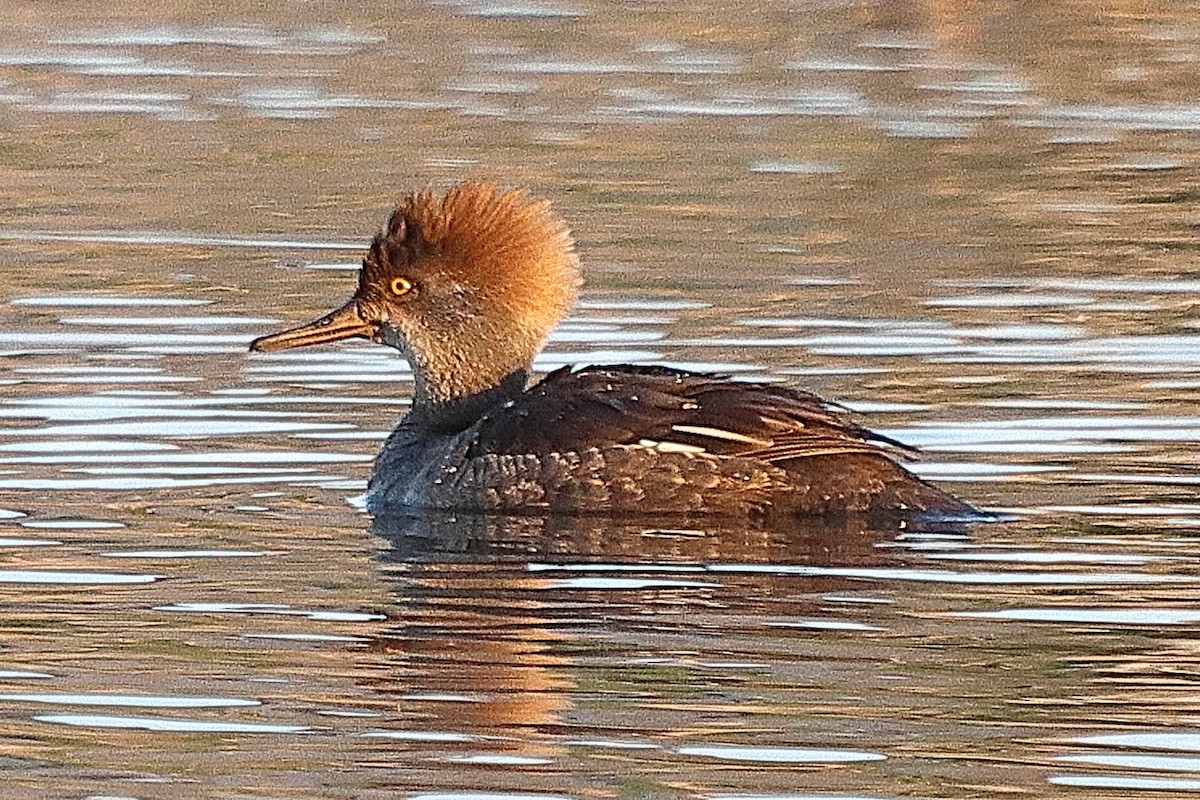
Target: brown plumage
x: 502, y: 248
x: 468, y: 285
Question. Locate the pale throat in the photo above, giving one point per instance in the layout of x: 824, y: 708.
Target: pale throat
x: 455, y: 383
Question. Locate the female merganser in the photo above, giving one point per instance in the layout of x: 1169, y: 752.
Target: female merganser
x: 468, y: 285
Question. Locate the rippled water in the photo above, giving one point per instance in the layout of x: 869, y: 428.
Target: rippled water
x: 974, y: 226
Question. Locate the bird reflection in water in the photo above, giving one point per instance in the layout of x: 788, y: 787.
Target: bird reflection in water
x: 544, y: 626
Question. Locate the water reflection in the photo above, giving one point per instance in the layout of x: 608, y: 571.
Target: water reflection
x: 174, y: 724
x: 471, y: 611
x: 494, y: 643
x: 843, y: 540
x: 529, y: 644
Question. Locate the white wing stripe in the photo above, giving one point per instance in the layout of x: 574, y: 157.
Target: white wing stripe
x: 720, y: 433
x: 670, y: 447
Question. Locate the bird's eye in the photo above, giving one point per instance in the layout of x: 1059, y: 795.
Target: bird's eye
x: 401, y: 286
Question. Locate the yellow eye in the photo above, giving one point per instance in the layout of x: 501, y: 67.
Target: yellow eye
x: 401, y: 286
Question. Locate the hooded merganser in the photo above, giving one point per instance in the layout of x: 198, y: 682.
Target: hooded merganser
x: 468, y: 285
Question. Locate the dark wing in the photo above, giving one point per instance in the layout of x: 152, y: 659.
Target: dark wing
x: 671, y: 410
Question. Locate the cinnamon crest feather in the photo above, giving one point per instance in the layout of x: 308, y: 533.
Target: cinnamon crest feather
x: 511, y: 251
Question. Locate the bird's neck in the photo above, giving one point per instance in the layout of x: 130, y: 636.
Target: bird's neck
x: 460, y: 376
x: 437, y: 411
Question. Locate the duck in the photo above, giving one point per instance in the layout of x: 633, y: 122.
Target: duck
x: 467, y: 284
